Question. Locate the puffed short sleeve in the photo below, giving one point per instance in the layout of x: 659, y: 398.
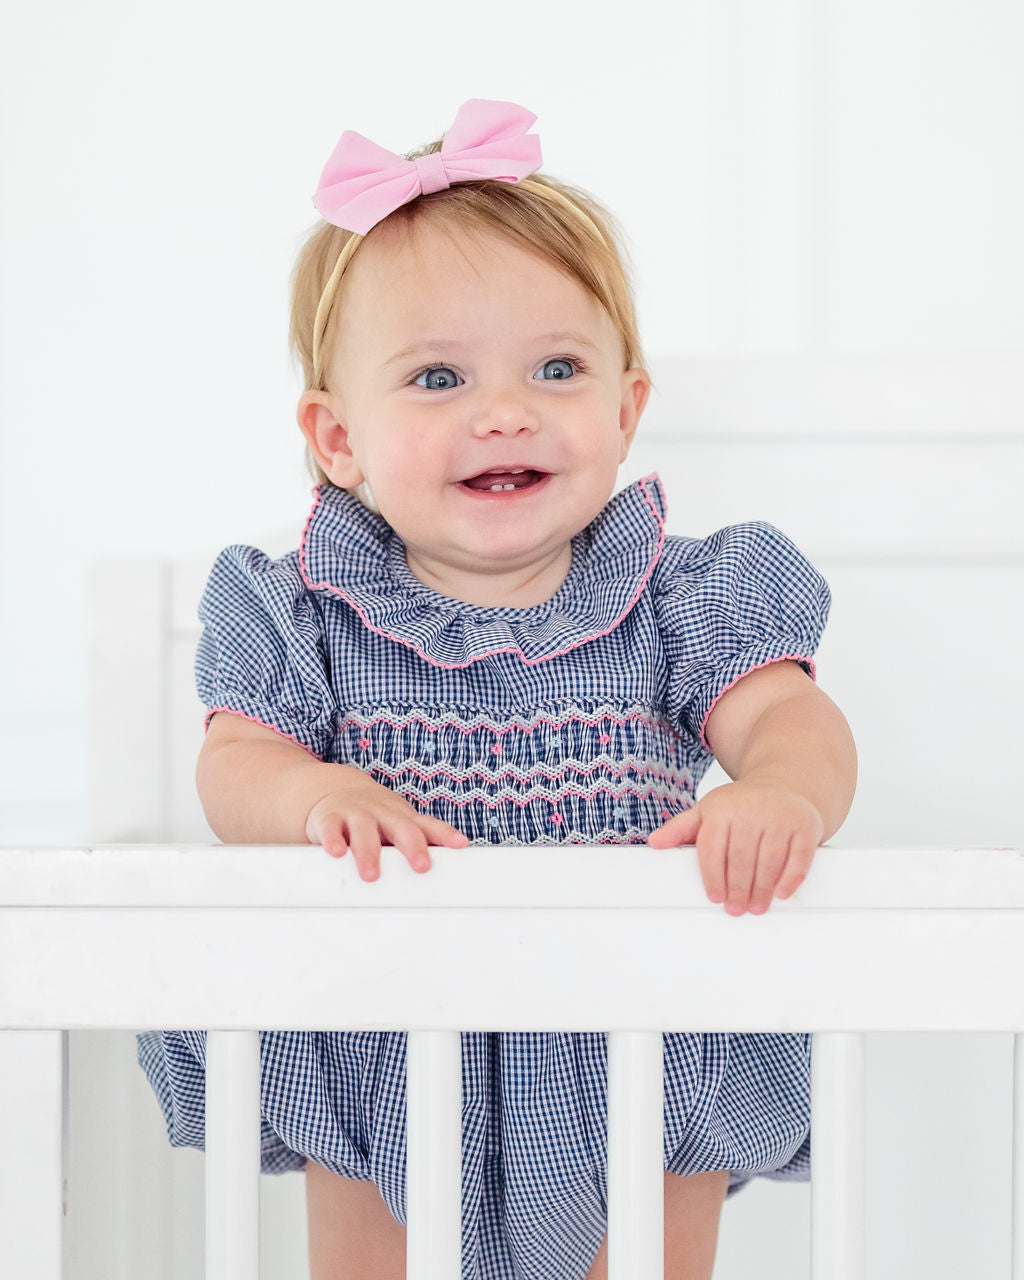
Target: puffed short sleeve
x: 728, y: 603
x: 262, y: 653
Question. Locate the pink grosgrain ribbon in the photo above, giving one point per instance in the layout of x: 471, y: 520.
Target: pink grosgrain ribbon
x: 363, y: 182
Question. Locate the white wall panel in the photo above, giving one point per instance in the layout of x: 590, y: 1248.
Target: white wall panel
x: 971, y: 395
x: 925, y: 192
x: 940, y: 500
x: 754, y: 248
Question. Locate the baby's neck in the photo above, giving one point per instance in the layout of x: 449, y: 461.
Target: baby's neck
x: 519, y: 588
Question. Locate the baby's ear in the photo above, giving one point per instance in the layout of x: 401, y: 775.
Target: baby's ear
x: 328, y: 439
x: 636, y: 387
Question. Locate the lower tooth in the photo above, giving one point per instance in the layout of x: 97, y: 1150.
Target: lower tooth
x: 508, y: 486
x: 497, y: 488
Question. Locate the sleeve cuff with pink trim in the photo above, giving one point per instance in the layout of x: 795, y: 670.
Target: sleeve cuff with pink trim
x: 729, y: 603
x: 704, y: 702
x: 262, y: 652
x: 313, y: 738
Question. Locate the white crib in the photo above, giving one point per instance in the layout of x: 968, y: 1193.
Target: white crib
x: 878, y: 939
x: 147, y: 926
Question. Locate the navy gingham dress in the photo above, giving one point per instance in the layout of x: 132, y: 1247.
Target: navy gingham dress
x: 575, y: 721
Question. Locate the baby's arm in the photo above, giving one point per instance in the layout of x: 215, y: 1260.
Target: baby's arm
x: 790, y: 752
x: 256, y: 787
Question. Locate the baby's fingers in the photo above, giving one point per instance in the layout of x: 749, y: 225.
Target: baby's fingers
x: 365, y: 832
x: 364, y: 841
x: 331, y: 835
x: 407, y: 837
x: 442, y: 834
x: 712, y: 843
x: 430, y: 831
x: 772, y: 853
x: 794, y: 873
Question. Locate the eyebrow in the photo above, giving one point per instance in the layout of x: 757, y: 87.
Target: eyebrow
x: 442, y: 344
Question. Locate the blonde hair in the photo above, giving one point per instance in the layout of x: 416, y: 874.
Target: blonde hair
x: 561, y: 223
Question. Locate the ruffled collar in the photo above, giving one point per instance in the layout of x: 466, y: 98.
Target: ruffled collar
x: 353, y: 554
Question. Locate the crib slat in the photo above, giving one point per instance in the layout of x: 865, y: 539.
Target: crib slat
x: 1017, y: 1190
x: 837, y: 1156
x: 636, y: 1166
x: 33, y: 1119
x: 232, y: 1155
x: 433, y: 1084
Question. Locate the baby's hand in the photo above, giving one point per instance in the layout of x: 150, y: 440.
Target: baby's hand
x: 761, y: 835
x: 361, y: 815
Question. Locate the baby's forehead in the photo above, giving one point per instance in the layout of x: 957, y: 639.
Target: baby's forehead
x: 414, y: 279
x: 417, y: 250
x: 433, y: 284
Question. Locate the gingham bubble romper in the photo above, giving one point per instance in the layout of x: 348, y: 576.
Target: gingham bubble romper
x: 575, y: 721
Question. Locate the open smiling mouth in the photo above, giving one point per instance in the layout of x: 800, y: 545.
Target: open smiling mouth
x: 500, y: 483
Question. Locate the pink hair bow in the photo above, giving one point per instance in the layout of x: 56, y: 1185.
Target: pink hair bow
x: 362, y: 182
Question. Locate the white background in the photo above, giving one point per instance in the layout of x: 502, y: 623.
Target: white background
x: 804, y: 187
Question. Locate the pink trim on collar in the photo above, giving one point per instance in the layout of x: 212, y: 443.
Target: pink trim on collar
x: 329, y: 586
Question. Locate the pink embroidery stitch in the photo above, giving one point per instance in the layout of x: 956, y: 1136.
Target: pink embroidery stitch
x: 530, y: 662
x: 674, y: 778
x: 443, y: 797
x: 659, y: 725
x: 364, y: 743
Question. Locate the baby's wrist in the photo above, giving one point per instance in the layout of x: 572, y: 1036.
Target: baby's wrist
x: 778, y: 783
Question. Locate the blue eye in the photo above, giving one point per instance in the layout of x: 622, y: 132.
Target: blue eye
x: 435, y: 368
x: 560, y: 377
x: 443, y: 369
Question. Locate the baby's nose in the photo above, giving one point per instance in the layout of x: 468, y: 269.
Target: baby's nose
x: 506, y: 418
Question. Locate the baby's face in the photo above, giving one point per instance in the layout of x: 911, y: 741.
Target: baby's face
x: 514, y: 366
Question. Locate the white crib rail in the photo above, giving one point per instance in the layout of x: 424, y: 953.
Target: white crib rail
x: 232, y: 1155
x: 620, y: 938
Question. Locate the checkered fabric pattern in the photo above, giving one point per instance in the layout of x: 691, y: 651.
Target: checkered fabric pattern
x: 577, y: 721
